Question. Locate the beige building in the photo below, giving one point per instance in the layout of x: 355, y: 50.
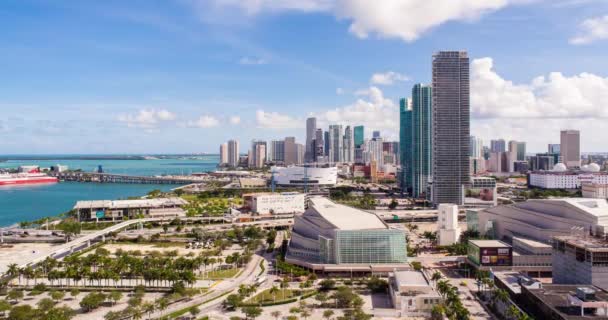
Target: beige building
x: 223, y: 153
x: 595, y: 190
x: 570, y: 148
x: 411, y: 293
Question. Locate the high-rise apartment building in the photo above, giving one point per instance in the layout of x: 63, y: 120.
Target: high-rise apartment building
x: 359, y: 136
x: 319, y: 143
x: 326, y: 143
x: 224, y: 153
x: 291, y: 151
x: 335, y: 143
x: 422, y: 139
x: 348, y: 155
x: 451, y: 126
x: 570, y: 148
x: 311, y: 128
x: 254, y: 153
x: 498, y: 145
x: 260, y: 155
x: 300, y: 152
x: 277, y: 152
x: 476, y: 146
x: 233, y: 153
x: 405, y: 144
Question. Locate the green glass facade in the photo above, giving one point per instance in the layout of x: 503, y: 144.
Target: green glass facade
x: 422, y: 138
x: 369, y: 247
x: 359, y: 136
x: 405, y: 144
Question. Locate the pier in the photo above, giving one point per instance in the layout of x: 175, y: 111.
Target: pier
x: 119, y: 178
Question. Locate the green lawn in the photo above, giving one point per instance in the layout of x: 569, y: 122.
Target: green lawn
x: 220, y: 274
x: 282, y: 294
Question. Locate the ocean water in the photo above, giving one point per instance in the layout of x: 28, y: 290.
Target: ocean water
x: 30, y: 202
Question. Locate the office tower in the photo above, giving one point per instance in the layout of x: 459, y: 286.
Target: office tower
x: 319, y: 146
x: 451, y: 121
x: 291, y: 151
x: 223, y: 153
x: 422, y: 139
x: 278, y: 151
x: 311, y: 128
x: 375, y: 152
x: 553, y: 148
x: 391, y: 152
x: 376, y: 134
x: 405, y: 144
x: 335, y: 143
x: 498, y: 145
x: 348, y: 155
x: 476, y: 146
x: 233, y: 153
x: 521, y: 151
x: 359, y: 136
x: 326, y: 144
x: 512, y: 155
x: 570, y: 148
x: 300, y: 152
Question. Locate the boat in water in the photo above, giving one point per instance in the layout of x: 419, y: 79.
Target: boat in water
x: 30, y: 177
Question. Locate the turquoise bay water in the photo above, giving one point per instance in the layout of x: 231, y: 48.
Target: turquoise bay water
x: 20, y: 203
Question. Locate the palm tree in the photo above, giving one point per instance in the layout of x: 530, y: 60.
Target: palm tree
x: 273, y: 291
x: 148, y: 308
x: 327, y: 314
x: 276, y: 314
x: 305, y: 313
x: 163, y: 303
x: 436, y: 276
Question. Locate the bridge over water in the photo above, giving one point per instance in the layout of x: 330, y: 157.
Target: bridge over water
x: 120, y: 178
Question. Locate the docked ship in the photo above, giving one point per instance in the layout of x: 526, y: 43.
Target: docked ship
x: 31, y: 177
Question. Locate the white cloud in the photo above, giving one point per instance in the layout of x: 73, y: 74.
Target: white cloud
x: 274, y: 120
x: 147, y: 118
x: 552, y: 96
x: 404, y: 19
x: 374, y: 111
x: 252, y: 61
x: 592, y: 29
x: 339, y: 91
x: 387, y: 78
x: 235, y: 120
x: 205, y: 121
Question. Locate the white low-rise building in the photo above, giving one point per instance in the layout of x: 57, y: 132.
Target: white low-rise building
x: 275, y: 203
x: 411, y: 293
x: 447, y: 222
x: 562, y: 178
x: 299, y: 176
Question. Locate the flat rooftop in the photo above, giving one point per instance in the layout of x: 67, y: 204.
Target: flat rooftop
x: 532, y: 243
x: 410, y: 279
x: 587, y: 243
x: 345, y: 217
x: 555, y: 296
x: 489, y: 244
x: 125, y: 204
x: 514, y: 280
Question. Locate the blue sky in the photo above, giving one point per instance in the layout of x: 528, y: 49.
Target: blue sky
x: 186, y: 75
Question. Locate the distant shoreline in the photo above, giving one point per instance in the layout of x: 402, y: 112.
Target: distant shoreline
x: 101, y: 157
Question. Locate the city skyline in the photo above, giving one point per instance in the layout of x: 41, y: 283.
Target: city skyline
x: 149, y: 75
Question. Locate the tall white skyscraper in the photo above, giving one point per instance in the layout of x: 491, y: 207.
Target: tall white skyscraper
x: 233, y: 153
x: 335, y: 143
x: 570, y: 148
x: 311, y: 128
x: 224, y: 153
x: 349, y: 145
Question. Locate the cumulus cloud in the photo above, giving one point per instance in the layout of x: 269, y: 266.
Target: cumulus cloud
x: 275, y: 120
x: 551, y: 96
x: 591, y: 30
x: 205, y: 121
x: 252, y: 61
x: 147, y: 118
x: 387, y: 78
x: 235, y: 120
x: 404, y: 19
x: 372, y: 110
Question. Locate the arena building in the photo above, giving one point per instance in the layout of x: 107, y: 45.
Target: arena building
x: 331, y: 237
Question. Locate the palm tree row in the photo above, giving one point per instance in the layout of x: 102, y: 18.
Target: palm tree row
x: 452, y: 306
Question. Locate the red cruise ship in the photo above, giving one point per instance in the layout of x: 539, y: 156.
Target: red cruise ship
x: 31, y: 177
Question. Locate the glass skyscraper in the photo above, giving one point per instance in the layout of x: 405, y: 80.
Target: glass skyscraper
x: 422, y: 139
x: 359, y: 136
x: 451, y: 126
x: 405, y: 144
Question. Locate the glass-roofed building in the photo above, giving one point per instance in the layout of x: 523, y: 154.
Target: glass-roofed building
x: 335, y: 237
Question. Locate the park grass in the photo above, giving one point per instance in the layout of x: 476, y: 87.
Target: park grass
x: 221, y: 274
x: 266, y: 297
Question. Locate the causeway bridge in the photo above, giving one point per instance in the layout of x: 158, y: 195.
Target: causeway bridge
x: 120, y: 178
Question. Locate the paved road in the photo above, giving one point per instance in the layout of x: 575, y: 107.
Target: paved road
x: 246, y: 277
